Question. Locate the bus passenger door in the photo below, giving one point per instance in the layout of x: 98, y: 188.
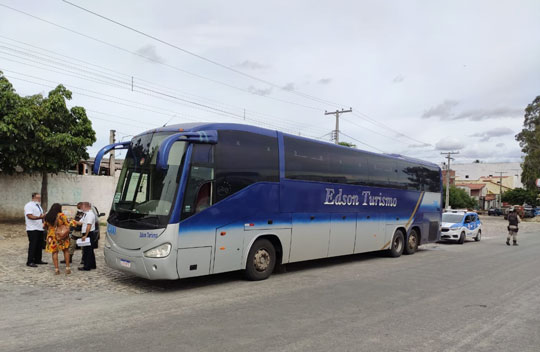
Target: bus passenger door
x: 370, y: 233
x: 228, y: 249
x: 310, y: 236
x: 342, y: 234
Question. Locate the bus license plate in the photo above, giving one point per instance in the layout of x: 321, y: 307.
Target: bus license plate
x: 125, y: 263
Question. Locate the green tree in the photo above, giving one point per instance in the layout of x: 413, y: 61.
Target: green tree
x: 529, y: 141
x: 347, y: 144
x: 41, y: 134
x: 520, y: 196
x: 459, y: 199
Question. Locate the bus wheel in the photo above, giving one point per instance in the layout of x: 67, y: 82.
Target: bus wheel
x: 412, y: 243
x: 261, y: 260
x: 397, y: 244
x: 462, y: 238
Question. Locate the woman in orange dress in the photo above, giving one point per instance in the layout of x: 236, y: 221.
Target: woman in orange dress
x: 55, y: 218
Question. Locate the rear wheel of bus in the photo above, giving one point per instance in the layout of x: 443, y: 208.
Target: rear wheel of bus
x: 261, y: 260
x: 397, y: 245
x: 412, y: 242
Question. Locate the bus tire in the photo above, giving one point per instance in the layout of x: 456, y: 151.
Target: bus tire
x: 412, y: 243
x: 397, y: 244
x: 261, y: 260
x: 478, y: 236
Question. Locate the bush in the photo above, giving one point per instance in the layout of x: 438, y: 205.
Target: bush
x: 459, y: 198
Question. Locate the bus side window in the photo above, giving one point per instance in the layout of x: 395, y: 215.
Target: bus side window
x: 244, y: 158
x: 198, y: 194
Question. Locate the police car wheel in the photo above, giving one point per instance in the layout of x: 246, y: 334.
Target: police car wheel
x: 461, y: 238
x: 478, y: 236
x: 397, y: 244
x: 261, y: 260
x: 412, y: 243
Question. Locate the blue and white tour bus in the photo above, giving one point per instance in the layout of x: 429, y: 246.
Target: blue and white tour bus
x: 200, y: 199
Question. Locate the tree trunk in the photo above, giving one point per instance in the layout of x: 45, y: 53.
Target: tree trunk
x: 44, y: 191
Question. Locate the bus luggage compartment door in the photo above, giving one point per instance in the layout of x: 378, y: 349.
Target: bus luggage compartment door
x: 310, y: 236
x: 342, y: 234
x: 193, y: 261
x: 229, y: 248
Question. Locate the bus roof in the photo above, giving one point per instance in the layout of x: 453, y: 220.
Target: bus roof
x: 204, y: 126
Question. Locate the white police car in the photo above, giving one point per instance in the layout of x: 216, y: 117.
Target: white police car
x: 458, y: 225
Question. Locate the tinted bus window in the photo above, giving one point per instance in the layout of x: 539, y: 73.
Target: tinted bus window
x: 312, y: 161
x: 243, y: 158
x: 305, y: 160
x: 433, y: 180
x: 382, y: 171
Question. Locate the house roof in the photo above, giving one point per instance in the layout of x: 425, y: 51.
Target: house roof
x: 471, y: 186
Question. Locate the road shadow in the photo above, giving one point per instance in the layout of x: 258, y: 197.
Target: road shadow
x: 167, y: 286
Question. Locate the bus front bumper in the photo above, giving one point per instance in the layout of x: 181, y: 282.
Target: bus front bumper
x: 134, y: 262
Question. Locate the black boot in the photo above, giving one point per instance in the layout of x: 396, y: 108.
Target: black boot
x: 515, y: 243
x: 507, y: 242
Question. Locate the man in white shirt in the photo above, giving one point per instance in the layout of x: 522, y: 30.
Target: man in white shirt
x: 88, y: 230
x: 33, y: 217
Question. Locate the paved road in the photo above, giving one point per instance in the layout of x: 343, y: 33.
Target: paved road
x: 474, y: 297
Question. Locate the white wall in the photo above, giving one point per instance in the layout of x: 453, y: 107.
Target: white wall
x: 477, y: 170
x: 16, y: 191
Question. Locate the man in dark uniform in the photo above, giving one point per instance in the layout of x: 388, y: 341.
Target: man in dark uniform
x: 513, y: 221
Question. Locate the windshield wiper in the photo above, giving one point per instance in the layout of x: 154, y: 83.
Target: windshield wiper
x: 138, y: 222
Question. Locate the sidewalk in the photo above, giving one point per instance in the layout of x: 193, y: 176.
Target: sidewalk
x: 13, y: 269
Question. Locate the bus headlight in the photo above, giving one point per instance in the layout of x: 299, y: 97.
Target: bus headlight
x: 159, y: 251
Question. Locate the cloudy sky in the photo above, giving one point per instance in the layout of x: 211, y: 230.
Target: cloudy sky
x: 421, y: 76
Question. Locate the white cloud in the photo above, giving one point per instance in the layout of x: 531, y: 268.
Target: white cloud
x: 398, y: 79
x: 149, y: 51
x: 443, y: 110
x: 446, y: 111
x: 251, y: 65
x: 325, y: 80
x: 289, y: 86
x: 495, y: 132
x: 260, y: 91
x: 449, y: 144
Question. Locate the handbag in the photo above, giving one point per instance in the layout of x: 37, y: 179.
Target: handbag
x: 61, y: 231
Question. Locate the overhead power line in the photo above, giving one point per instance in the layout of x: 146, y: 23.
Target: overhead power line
x: 380, y: 124
x: 201, y: 57
x: 160, y: 62
x: 376, y: 123
x: 124, y: 81
x: 363, y: 143
x: 144, y: 107
x: 293, y: 126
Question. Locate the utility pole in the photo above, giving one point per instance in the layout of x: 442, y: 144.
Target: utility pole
x: 335, y: 133
x: 112, y: 162
x: 447, y: 201
x: 500, y: 187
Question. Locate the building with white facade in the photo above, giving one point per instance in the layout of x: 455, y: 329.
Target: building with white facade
x: 476, y: 171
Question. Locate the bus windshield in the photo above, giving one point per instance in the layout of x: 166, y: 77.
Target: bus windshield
x: 144, y: 195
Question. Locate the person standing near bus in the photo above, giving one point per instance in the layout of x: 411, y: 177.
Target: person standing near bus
x: 33, y: 218
x: 76, y: 233
x: 88, y: 230
x: 513, y: 221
